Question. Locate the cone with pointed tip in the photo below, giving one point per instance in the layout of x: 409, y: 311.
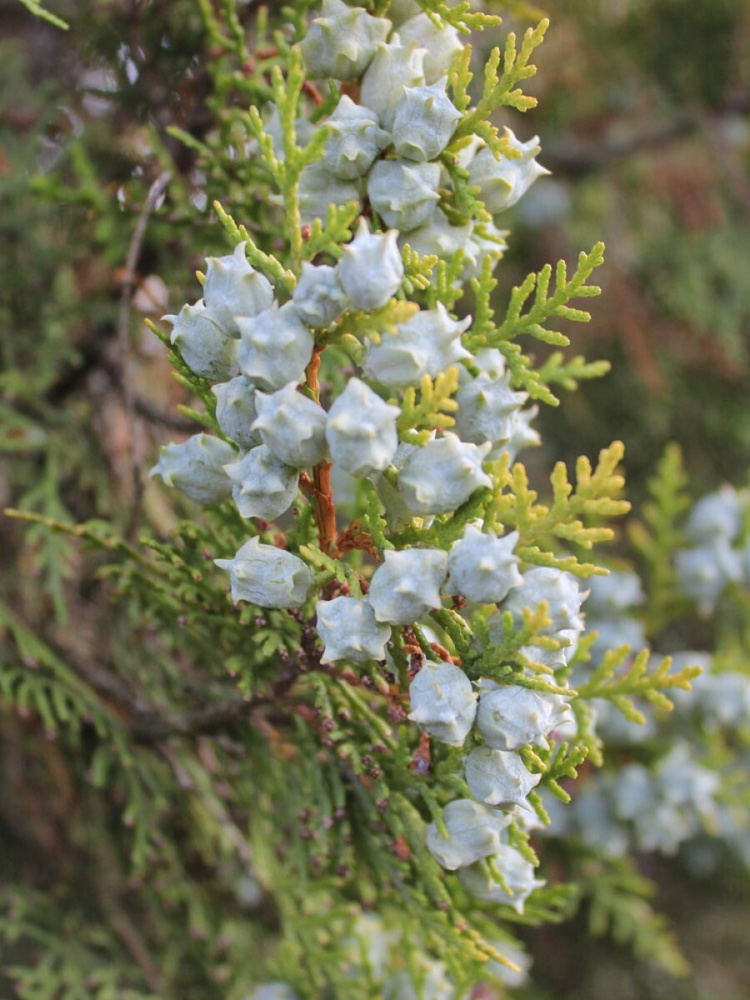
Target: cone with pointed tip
x: 486, y: 407
x: 319, y: 298
x: 511, y: 716
x: 205, y: 346
x: 361, y: 430
x: 440, y: 42
x: 292, y: 426
x: 443, y: 702
x: 442, y: 474
x: 267, y: 576
x: 474, y: 832
x: 356, y: 139
x: 426, y: 344
x: 233, y: 288
x: 424, y: 122
x: 235, y: 410
x: 499, y: 778
x: 196, y: 468
x: 342, y: 41
x: 482, y: 566
x: 404, y: 193
x: 371, y: 269
x: 407, y: 584
x: 503, y: 182
x: 393, y: 67
x: 350, y: 630
x: 262, y: 485
x: 275, y: 348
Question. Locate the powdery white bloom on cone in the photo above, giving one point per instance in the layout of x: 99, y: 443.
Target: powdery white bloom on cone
x: 424, y: 122
x: 342, y: 41
x: 503, y: 182
x: 275, y: 348
x: 518, y: 875
x: 235, y: 410
x: 361, y: 430
x: 559, y: 589
x: 510, y: 716
x: 319, y: 298
x: 263, y: 486
x: 267, y: 576
x: 196, y: 468
x: 206, y: 348
x: 443, y: 702
x: 319, y: 188
x: 233, y: 288
x: 355, y: 141
x: 440, y: 43
x: 426, y: 344
x: 404, y: 193
x: 407, y: 584
x: 442, y: 474
x: 486, y: 406
x: 394, y: 67
x: 350, y: 630
x: 292, y: 426
x: 371, y: 269
x: 474, y: 832
x: 482, y: 566
x: 499, y: 778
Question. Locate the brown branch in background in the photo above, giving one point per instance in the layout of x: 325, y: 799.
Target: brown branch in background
x: 152, y: 727
x: 108, y: 885
x: 149, y: 727
x: 727, y: 161
x: 174, y: 421
x: 576, y: 159
x: 123, y: 329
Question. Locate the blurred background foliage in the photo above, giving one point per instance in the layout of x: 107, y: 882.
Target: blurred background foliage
x: 643, y: 116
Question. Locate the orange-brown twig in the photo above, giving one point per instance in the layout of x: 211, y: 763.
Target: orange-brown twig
x: 354, y: 537
x: 325, y: 510
x: 312, y: 91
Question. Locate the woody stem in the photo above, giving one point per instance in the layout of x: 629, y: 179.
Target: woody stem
x: 325, y: 511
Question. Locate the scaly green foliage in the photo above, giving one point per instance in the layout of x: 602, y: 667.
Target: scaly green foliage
x: 657, y: 537
x: 270, y: 799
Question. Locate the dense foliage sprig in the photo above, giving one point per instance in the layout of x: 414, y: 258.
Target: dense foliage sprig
x: 372, y: 737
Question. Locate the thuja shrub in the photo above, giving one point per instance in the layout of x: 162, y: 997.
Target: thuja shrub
x: 365, y: 424
x: 370, y: 685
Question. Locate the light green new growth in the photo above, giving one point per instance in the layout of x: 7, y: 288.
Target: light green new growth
x: 39, y: 11
x: 533, y: 322
x: 499, y: 90
x: 329, y: 236
x: 458, y: 15
x: 542, y: 526
x: 417, y: 270
x: 567, y: 374
x: 267, y: 263
x: 428, y: 408
x: 635, y: 681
